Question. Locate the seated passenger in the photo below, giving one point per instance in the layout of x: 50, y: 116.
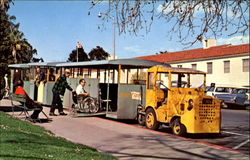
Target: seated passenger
x: 52, y: 77
x: 29, y: 102
x: 80, y: 91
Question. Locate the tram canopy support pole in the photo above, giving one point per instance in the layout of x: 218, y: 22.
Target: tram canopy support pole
x: 119, y: 73
x: 107, y: 104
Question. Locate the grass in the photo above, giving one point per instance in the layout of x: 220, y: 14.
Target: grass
x: 21, y: 140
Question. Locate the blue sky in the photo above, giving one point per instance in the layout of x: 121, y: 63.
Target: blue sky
x: 54, y: 28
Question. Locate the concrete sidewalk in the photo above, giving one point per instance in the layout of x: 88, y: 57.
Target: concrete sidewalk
x: 130, y: 142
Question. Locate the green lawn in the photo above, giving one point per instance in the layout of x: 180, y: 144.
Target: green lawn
x: 22, y: 140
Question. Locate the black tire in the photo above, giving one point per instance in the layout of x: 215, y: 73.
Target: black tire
x: 141, y: 119
x: 150, y: 120
x: 92, y: 105
x: 178, y: 128
x: 247, y: 107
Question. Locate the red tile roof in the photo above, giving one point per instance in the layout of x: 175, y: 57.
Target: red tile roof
x: 216, y: 51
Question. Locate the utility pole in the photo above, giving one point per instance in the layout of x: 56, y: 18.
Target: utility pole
x: 114, y: 27
x: 78, y: 45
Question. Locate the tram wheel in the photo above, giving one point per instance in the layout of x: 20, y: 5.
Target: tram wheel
x: 150, y: 120
x: 141, y: 119
x: 178, y: 128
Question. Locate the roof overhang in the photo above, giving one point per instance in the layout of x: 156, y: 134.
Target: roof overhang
x: 113, y: 64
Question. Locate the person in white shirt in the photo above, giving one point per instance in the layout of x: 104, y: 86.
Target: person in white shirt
x: 80, y: 91
x: 84, y: 98
x: 7, y: 88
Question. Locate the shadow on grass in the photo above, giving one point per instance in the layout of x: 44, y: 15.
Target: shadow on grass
x: 23, y: 157
x: 9, y: 109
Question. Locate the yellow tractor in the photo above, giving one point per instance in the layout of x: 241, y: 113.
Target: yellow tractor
x: 176, y: 97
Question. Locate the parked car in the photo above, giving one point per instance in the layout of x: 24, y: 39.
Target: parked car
x: 238, y: 98
x: 220, y: 89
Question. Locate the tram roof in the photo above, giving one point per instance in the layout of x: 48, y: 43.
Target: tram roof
x: 129, y: 63
x: 35, y: 64
x: 176, y: 69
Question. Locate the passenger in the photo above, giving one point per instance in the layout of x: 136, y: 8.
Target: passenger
x: 51, y: 75
x: 16, y: 78
x: 80, y: 91
x: 58, y: 93
x: 29, y: 102
x: 84, y: 98
x: 40, y: 77
x: 2, y: 89
x: 7, y: 88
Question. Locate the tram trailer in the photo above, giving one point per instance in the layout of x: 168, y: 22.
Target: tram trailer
x: 118, y: 98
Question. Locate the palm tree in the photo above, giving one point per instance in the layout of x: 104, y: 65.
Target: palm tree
x: 4, y: 4
x: 15, y: 39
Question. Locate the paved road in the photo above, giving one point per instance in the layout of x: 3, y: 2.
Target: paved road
x: 130, y: 142
x: 235, y: 131
x: 235, y: 127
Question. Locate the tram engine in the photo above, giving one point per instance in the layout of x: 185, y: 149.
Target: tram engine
x: 176, y: 97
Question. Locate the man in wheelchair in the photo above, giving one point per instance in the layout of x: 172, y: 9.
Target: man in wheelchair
x: 85, y: 103
x: 80, y: 91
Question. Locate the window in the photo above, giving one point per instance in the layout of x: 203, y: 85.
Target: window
x: 222, y: 89
x: 209, y: 67
x: 226, y: 66
x: 179, y: 66
x: 179, y: 80
x: 163, y: 77
x: 194, y: 66
x: 150, y: 80
x: 245, y: 65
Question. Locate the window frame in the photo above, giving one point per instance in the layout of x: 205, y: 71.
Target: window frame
x: 209, y: 67
x: 245, y: 65
x: 226, y: 66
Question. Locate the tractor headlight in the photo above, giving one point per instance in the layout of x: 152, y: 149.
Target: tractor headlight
x: 190, y: 104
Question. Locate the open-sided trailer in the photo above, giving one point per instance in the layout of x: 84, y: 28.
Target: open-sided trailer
x: 110, y: 82
x: 27, y: 74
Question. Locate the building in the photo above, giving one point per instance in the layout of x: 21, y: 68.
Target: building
x: 224, y: 64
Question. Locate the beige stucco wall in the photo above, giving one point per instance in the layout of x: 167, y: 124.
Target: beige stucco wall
x: 236, y: 77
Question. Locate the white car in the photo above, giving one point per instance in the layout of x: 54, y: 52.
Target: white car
x: 213, y: 90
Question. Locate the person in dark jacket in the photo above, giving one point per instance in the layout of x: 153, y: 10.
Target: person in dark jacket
x: 58, y: 92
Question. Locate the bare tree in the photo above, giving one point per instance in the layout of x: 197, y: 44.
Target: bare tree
x: 197, y: 18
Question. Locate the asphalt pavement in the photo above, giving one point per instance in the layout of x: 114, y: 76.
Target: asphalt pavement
x: 131, y: 142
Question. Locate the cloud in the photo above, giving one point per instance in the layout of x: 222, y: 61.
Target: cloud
x: 134, y: 49
x: 233, y: 40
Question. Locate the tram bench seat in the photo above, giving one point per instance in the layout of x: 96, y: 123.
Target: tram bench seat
x: 107, y: 101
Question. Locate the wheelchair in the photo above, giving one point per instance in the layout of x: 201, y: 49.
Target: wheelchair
x: 83, y: 104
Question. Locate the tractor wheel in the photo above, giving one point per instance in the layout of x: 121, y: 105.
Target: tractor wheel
x: 178, y: 128
x: 151, y: 121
